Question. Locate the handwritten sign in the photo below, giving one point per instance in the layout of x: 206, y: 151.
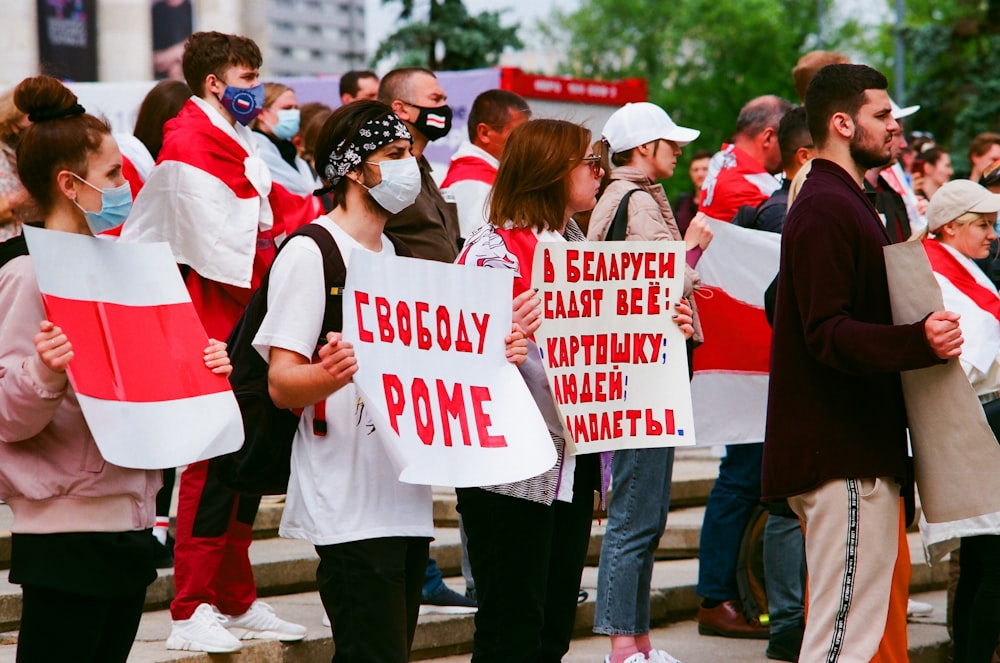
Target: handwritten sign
x: 429, y: 339
x: 616, y: 362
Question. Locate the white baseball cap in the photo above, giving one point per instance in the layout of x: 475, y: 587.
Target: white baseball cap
x: 899, y: 113
x: 640, y: 123
x: 957, y: 197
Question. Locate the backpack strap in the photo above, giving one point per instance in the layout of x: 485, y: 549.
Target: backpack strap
x: 619, y: 225
x: 12, y: 248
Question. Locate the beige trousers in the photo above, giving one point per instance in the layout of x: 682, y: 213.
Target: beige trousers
x: 851, y: 534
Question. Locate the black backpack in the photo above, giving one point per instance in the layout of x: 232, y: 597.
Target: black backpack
x: 263, y: 464
x: 12, y: 248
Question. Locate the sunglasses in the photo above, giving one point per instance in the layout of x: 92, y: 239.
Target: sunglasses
x: 594, y: 161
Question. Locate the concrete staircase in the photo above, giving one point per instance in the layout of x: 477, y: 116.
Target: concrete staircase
x: 285, y: 574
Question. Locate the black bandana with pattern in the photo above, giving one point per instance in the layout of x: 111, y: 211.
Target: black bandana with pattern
x: 374, y: 134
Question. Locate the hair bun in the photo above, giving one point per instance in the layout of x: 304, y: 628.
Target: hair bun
x: 45, y: 98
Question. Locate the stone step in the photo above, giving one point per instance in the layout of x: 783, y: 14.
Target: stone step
x: 447, y: 638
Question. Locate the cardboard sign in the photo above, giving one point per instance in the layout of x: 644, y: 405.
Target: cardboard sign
x: 616, y: 362
x: 432, y: 367
x: 138, y: 368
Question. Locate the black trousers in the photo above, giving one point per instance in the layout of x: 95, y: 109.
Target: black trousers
x: 371, y: 593
x: 527, y: 559
x: 977, y: 600
x: 63, y: 626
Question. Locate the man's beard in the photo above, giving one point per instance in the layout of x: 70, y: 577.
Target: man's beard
x: 865, y: 156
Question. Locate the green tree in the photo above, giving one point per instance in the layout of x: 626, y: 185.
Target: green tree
x: 447, y: 37
x: 951, y: 70
x: 703, y: 59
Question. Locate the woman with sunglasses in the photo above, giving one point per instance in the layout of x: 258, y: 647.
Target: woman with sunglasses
x: 527, y: 585
x: 644, y: 144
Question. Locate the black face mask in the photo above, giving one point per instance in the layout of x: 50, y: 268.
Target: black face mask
x: 434, y: 122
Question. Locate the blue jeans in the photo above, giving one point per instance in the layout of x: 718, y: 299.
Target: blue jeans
x: 735, y: 494
x: 433, y: 582
x: 785, y: 573
x: 637, y: 515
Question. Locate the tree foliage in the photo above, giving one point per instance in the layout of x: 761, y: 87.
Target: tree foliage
x: 447, y: 37
x: 952, y: 70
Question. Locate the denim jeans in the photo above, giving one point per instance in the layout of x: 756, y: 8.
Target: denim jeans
x: 785, y: 573
x: 637, y: 514
x: 735, y: 494
x: 433, y: 580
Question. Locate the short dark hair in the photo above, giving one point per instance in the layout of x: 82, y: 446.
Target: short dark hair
x: 838, y: 88
x: 349, y: 81
x: 162, y: 103
x: 213, y: 53
x: 761, y: 114
x: 793, y: 133
x: 342, y: 127
x: 702, y: 154
x: 493, y: 108
x: 396, y: 84
x: 809, y: 64
x: 982, y: 143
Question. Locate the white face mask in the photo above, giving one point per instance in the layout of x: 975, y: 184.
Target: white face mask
x: 400, y: 184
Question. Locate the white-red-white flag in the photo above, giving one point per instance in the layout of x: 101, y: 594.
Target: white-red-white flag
x: 729, y: 388
x: 138, y: 368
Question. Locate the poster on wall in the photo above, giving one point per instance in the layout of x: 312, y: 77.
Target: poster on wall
x: 67, y: 39
x: 173, y: 23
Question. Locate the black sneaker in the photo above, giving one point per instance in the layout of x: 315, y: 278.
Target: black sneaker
x: 163, y: 558
x: 447, y: 602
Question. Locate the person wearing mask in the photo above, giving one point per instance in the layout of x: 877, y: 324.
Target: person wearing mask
x: 527, y: 589
x: 80, y: 547
x: 644, y: 144
x: 292, y: 180
x: 208, y: 198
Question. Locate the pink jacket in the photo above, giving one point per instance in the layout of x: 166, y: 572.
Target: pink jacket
x: 51, y: 472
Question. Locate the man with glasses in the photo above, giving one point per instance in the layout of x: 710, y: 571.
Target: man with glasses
x: 429, y: 227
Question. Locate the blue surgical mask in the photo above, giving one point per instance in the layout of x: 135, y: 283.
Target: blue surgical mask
x: 288, y: 123
x: 243, y: 103
x: 116, y: 203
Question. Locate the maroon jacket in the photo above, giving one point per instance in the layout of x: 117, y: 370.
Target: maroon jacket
x: 835, y: 403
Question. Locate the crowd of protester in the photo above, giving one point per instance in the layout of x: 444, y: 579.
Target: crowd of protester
x: 224, y: 154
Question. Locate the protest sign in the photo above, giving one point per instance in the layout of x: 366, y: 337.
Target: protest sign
x: 615, y: 360
x: 138, y: 368
x: 432, y: 368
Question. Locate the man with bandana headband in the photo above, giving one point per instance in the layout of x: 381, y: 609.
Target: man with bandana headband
x: 430, y: 225
x: 207, y: 197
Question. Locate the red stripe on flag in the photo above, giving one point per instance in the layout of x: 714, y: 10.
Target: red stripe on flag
x: 737, y: 336
x: 137, y: 354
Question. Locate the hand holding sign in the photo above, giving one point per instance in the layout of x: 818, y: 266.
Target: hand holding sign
x: 337, y: 358
x: 53, y: 347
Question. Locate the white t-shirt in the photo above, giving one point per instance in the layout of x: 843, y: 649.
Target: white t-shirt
x: 343, y: 487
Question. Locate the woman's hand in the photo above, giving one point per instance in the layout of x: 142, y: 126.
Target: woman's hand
x: 53, y: 347
x: 528, y: 312
x: 517, y: 345
x: 683, y: 318
x: 698, y: 232
x: 337, y: 358
x: 217, y: 359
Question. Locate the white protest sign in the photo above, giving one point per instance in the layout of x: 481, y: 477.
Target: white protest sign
x: 432, y: 368
x: 616, y: 361
x: 138, y: 366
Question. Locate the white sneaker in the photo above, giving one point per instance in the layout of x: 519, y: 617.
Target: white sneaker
x: 634, y: 658
x: 260, y: 623
x: 326, y: 620
x: 918, y: 608
x: 204, y: 631
x: 660, y: 656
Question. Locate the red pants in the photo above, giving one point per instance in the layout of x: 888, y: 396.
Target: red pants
x: 211, y: 559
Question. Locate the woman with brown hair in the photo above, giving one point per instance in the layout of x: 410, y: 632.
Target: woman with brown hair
x: 527, y: 582
x: 292, y: 179
x: 81, y: 544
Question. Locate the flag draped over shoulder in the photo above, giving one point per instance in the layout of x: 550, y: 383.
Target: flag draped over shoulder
x: 729, y: 388
x: 206, y: 197
x: 138, y: 365
x: 292, y: 201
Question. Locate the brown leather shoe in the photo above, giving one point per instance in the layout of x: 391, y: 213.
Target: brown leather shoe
x: 728, y: 620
